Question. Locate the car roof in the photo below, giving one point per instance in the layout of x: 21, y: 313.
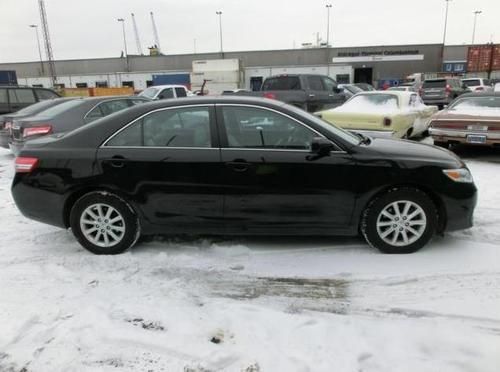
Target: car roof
x: 104, y: 98
x: 400, y: 93
x: 479, y: 94
x: 168, y: 86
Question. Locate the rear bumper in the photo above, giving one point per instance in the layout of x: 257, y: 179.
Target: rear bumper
x: 36, y: 203
x: 437, y: 101
x: 460, y: 136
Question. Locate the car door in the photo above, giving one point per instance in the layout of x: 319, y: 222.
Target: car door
x: 272, y: 184
x: 166, y: 93
x: 168, y: 162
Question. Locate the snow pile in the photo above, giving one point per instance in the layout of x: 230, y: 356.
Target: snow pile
x: 250, y: 304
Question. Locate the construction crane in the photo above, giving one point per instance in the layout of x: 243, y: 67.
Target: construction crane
x: 48, y: 46
x: 137, y: 38
x: 155, y: 32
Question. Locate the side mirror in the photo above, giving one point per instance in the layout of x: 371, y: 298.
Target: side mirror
x: 338, y: 90
x: 321, y: 146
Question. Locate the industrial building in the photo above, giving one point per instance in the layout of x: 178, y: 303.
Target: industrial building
x: 375, y: 64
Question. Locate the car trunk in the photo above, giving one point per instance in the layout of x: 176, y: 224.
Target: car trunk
x: 467, y: 122
x: 435, y: 89
x: 350, y: 120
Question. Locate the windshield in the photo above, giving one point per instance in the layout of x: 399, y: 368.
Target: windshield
x: 434, y: 83
x: 149, y: 92
x: 56, y: 110
x: 471, y: 83
x: 339, y: 132
x: 481, y: 105
x: 370, y: 102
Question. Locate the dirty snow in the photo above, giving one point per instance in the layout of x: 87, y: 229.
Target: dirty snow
x: 251, y: 304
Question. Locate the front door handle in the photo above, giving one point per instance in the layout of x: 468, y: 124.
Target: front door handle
x: 238, y: 165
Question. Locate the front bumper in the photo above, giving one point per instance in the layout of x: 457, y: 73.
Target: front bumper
x: 460, y: 136
x: 459, y: 212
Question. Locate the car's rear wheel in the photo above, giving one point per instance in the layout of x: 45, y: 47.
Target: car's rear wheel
x: 402, y: 220
x: 103, y: 223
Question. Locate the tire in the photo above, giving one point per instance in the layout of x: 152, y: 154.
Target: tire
x: 422, y: 219
x: 441, y: 144
x: 116, y: 226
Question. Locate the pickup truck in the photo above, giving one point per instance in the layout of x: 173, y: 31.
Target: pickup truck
x: 309, y: 92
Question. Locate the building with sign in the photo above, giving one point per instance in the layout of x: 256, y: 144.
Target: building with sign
x: 376, y: 65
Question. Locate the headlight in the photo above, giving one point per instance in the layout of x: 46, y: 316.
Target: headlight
x: 459, y: 175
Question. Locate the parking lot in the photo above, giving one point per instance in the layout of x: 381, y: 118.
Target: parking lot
x: 252, y: 304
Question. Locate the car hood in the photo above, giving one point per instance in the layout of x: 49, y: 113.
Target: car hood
x: 413, y: 152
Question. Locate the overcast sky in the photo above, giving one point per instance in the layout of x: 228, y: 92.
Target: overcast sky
x: 89, y: 29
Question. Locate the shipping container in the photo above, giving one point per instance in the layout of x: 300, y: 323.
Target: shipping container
x: 166, y: 79
x: 8, y: 77
x: 216, y: 76
x: 124, y: 91
x: 479, y: 58
x: 495, y: 65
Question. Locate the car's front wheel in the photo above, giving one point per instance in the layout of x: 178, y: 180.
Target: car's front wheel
x: 402, y: 220
x: 104, y: 223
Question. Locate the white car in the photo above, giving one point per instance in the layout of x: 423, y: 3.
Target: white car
x: 165, y: 91
x: 477, y: 84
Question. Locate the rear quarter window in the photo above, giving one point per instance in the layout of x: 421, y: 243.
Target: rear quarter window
x: 44, y: 94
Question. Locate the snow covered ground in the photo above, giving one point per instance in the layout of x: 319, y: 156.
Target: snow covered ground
x: 251, y: 304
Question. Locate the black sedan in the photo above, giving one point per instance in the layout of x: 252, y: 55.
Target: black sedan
x: 65, y: 117
x: 235, y: 165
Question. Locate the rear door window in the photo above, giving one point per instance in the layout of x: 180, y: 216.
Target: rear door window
x: 110, y: 107
x: 180, y: 92
x: 315, y: 83
x: 282, y: 83
x: 21, y: 96
x: 166, y: 93
x: 181, y: 127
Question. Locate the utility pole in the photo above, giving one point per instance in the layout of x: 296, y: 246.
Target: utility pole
x: 328, y: 8
x: 39, y: 48
x: 219, y: 13
x: 48, y: 46
x: 122, y: 21
x: 476, y: 13
x: 445, y: 29
x: 137, y: 38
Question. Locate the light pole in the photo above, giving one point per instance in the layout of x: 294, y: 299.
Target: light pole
x: 328, y: 8
x: 219, y: 13
x: 476, y: 13
x: 39, y: 48
x: 445, y: 21
x: 122, y: 21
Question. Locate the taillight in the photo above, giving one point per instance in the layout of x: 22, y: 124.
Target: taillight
x: 420, y: 92
x: 270, y: 95
x: 33, y: 131
x: 8, y: 125
x: 480, y: 88
x: 448, y: 89
x: 25, y: 165
x: 387, y: 122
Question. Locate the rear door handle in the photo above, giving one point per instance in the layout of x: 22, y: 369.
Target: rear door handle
x: 117, y: 161
x: 238, y: 165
